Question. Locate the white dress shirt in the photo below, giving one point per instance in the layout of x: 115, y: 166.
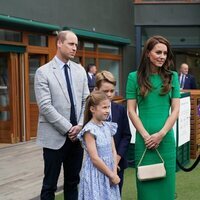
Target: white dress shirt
x: 61, y: 65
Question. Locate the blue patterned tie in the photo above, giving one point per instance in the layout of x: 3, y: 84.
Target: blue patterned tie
x: 93, y: 77
x: 73, y: 113
x: 182, y: 81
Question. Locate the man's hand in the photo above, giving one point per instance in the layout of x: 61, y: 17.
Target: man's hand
x: 73, y: 132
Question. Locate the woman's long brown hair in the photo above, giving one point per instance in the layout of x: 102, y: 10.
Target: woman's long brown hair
x: 144, y: 69
x: 93, y: 99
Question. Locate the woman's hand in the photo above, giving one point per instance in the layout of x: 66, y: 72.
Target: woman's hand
x: 154, y: 140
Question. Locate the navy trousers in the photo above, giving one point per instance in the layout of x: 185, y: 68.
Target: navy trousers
x: 121, y: 176
x: 71, y: 156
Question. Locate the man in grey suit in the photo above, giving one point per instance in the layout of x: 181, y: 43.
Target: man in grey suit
x: 61, y: 89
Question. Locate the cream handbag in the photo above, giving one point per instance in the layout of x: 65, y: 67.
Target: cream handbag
x: 151, y: 172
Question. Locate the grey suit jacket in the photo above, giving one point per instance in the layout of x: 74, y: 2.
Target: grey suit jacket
x: 54, y: 103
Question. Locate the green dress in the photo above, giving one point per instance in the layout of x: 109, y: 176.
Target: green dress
x: 153, y: 112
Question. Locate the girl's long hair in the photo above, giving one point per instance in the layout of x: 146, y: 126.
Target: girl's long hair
x: 93, y: 99
x: 144, y: 69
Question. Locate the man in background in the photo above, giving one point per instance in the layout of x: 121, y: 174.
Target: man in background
x: 187, y: 81
x: 91, y: 71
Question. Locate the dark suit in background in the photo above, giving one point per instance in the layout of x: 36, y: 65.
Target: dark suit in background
x: 189, y: 82
x: 91, y: 82
x: 122, y: 137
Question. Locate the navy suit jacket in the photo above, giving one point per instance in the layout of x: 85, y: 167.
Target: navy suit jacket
x: 189, y: 82
x: 91, y: 82
x: 123, y: 135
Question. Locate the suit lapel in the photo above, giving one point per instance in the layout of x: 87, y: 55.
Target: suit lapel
x: 75, y: 79
x: 186, y: 81
x: 114, y: 112
x: 58, y: 74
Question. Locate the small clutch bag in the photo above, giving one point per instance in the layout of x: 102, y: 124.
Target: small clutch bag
x: 151, y: 172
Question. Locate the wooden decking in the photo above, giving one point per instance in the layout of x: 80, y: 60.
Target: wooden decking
x: 21, y: 171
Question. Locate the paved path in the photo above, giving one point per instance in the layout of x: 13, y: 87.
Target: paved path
x: 21, y: 172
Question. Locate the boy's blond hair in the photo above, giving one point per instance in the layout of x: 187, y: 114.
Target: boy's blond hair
x: 104, y: 76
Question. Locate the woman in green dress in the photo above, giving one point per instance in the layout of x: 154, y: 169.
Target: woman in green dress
x: 154, y: 90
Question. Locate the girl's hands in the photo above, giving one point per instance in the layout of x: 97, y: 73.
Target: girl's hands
x: 153, y: 141
x: 114, y: 179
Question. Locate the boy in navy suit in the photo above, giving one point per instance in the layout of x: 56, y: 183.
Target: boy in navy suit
x: 106, y: 82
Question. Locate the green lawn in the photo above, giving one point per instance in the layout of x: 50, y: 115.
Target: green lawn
x: 187, y: 185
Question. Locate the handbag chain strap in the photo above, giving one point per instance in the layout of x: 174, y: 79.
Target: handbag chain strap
x: 144, y: 155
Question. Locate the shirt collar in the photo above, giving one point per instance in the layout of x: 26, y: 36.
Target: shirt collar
x: 110, y: 109
x: 61, y: 63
